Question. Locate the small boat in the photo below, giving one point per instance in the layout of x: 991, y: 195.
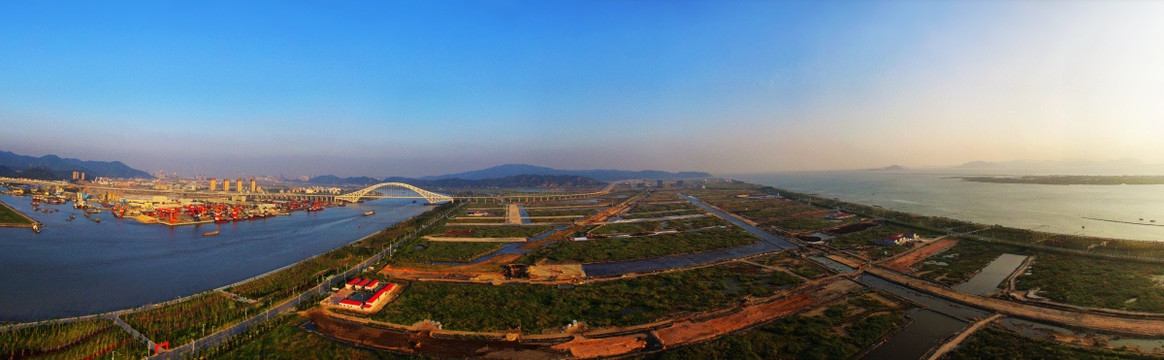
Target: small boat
x: 369, y: 213
x: 71, y: 217
x: 95, y: 219
x: 36, y: 228
x: 212, y: 233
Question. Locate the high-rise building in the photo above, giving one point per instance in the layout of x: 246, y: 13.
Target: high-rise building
x: 213, y: 184
x: 253, y: 189
x: 239, y: 184
x: 225, y: 184
x: 76, y: 175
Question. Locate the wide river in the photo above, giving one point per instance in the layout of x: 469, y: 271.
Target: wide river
x: 82, y: 267
x: 1051, y: 208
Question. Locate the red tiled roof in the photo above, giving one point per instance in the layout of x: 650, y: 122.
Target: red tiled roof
x: 351, y: 302
x: 354, y: 281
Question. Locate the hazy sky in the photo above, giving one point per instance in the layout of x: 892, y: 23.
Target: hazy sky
x: 427, y: 87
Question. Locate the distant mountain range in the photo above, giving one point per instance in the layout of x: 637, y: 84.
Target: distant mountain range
x: 54, y: 167
x: 542, y: 181
x: 517, y: 175
x: 601, y: 175
x: 888, y: 168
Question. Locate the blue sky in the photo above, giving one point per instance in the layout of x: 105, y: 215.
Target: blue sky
x: 417, y: 88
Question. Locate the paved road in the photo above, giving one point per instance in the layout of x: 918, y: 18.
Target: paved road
x: 766, y: 236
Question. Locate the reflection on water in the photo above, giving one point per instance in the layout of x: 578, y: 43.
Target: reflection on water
x: 1052, y: 208
x: 81, y: 267
x: 926, y: 330
x: 988, y: 280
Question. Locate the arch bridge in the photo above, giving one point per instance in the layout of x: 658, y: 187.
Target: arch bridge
x: 431, y: 197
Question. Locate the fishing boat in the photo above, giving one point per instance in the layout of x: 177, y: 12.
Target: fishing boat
x: 212, y: 233
x: 369, y: 213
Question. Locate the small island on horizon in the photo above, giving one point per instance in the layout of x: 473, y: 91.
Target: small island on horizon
x: 1070, y: 179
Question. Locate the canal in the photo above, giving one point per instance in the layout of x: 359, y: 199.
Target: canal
x: 81, y: 267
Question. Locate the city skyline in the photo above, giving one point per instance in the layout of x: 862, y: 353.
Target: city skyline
x: 410, y: 89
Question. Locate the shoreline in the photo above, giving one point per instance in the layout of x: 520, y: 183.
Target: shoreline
x: 8, y: 326
x: 31, y: 222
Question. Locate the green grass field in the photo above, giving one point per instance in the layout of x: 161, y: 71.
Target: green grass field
x: 1086, y: 281
x: 9, y: 215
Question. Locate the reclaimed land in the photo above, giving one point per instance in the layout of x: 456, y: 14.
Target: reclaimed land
x: 1110, y: 284
x: 282, y: 338
x: 839, y: 330
x: 449, y: 230
x: 11, y: 217
x: 628, y: 248
x: 991, y: 343
x: 961, y: 262
x: 533, y: 308
x: 426, y: 251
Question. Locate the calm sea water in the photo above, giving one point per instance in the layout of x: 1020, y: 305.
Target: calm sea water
x: 1052, y: 208
x: 82, y: 267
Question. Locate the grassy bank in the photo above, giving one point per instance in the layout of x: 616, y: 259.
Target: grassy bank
x: 9, y: 216
x: 533, y: 308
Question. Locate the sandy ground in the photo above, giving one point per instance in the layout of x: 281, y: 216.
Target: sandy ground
x: 513, y: 214
x: 904, y: 263
x: 583, y: 348
x: 556, y: 272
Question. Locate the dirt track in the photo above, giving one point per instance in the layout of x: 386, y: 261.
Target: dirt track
x: 904, y: 262
x: 687, y: 332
